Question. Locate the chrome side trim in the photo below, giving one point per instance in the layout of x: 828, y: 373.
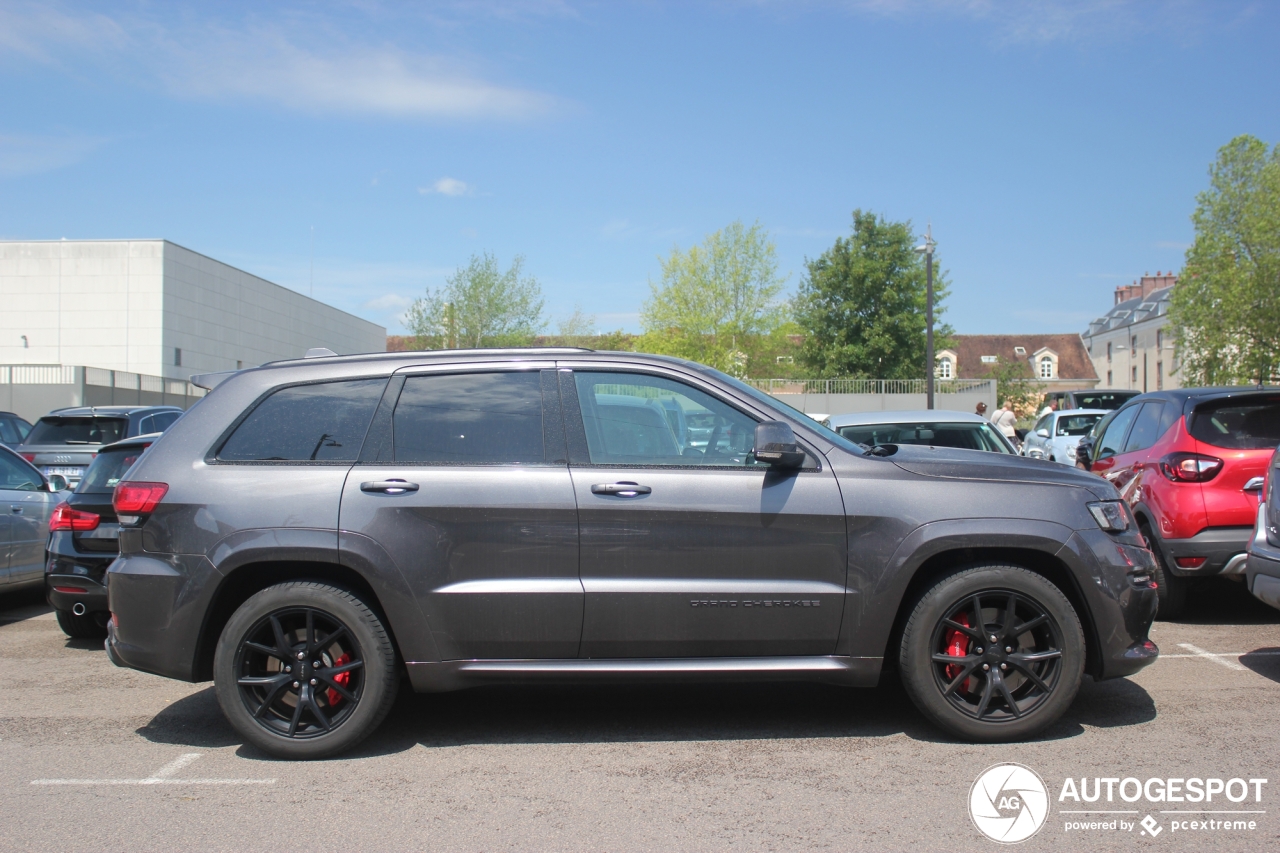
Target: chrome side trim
x: 440, y: 676
x: 514, y: 586
x: 1235, y: 566
x: 711, y: 586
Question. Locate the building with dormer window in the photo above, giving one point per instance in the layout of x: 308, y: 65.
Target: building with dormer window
x: 1131, y: 345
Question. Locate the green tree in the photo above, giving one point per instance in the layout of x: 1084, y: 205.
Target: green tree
x: 479, y: 306
x: 862, y: 304
x: 577, y: 330
x: 1016, y: 386
x: 1226, y: 307
x: 716, y: 299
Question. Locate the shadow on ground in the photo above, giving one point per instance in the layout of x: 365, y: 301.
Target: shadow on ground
x: 1220, y: 601
x: 647, y: 713
x: 1265, y: 662
x: 24, y: 604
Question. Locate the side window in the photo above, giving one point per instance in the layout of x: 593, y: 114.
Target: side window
x: 1111, y: 439
x: 470, y: 419
x: 1043, y: 423
x: 634, y: 419
x: 147, y: 425
x: 324, y: 422
x: 16, y: 476
x: 163, y: 421
x: 1146, y: 428
x: 9, y: 431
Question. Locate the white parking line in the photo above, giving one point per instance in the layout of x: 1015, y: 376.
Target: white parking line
x: 1218, y: 658
x: 163, y: 776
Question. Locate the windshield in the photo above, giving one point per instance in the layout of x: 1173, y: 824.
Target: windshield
x: 966, y: 436
x: 1236, y: 424
x: 1077, y: 424
x: 756, y: 394
x: 1104, y: 400
x: 108, y: 468
x: 56, y: 430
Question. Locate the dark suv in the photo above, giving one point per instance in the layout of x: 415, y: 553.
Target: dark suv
x: 66, y: 440
x: 313, y: 529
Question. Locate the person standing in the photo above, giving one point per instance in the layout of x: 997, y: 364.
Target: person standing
x: 1005, y: 421
x: 981, y: 411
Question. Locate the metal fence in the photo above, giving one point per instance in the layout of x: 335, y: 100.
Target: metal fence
x: 31, y: 390
x: 868, y: 386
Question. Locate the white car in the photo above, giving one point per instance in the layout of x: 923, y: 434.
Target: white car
x: 1056, y: 434
x: 934, y: 427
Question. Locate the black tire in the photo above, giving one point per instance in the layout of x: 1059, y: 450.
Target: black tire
x: 1040, y: 675
x: 1171, y: 590
x: 80, y: 627
x: 329, y: 708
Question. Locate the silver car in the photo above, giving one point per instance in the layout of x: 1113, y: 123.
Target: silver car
x: 27, y: 500
x: 932, y: 427
x: 1056, y: 434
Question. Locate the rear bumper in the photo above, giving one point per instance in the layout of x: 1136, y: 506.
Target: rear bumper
x: 59, y: 590
x: 1218, y: 545
x: 1262, y: 571
x: 158, y: 603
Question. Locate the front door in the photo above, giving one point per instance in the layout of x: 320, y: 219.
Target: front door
x: 690, y: 547
x: 469, y: 494
x: 25, y: 530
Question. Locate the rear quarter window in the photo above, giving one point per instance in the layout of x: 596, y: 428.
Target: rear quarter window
x: 107, y: 470
x: 1238, y: 424
x: 322, y: 422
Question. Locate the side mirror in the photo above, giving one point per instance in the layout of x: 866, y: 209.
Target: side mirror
x: 57, y: 482
x: 776, y: 444
x: 1043, y: 433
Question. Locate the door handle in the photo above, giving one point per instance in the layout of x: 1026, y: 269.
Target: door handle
x: 17, y: 510
x: 622, y: 490
x: 390, y: 487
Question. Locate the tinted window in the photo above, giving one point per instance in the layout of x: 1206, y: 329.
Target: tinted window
x: 1076, y: 424
x: 964, y: 436
x: 470, y: 419
x: 1146, y: 428
x: 633, y: 419
x: 56, y: 430
x: 163, y: 421
x: 325, y: 422
x: 17, y: 476
x: 107, y: 469
x: 9, y: 433
x: 1111, y: 439
x: 1043, y: 423
x: 1103, y: 400
x: 1249, y: 424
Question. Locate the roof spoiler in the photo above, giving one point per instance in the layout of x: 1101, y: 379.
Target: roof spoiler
x: 209, y: 381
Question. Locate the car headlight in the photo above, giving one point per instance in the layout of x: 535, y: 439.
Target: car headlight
x: 1071, y: 452
x: 1110, y: 515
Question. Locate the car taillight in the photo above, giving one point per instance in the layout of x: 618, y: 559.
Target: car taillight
x: 67, y: 518
x: 30, y: 457
x: 137, y: 498
x: 1190, y: 562
x: 1190, y: 467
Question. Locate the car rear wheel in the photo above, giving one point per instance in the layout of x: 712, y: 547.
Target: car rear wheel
x: 305, y: 670
x: 83, y: 627
x: 1171, y: 590
x: 993, y: 653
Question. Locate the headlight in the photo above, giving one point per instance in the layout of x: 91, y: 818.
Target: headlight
x: 1071, y: 452
x: 1110, y: 515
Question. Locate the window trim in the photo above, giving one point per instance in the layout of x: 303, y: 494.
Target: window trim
x: 211, y: 455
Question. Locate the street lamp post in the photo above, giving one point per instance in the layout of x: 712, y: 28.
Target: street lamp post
x: 926, y: 249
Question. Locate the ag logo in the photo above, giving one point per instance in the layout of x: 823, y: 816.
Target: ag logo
x: 1008, y: 803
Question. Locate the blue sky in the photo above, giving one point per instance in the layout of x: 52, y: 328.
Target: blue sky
x: 1056, y: 147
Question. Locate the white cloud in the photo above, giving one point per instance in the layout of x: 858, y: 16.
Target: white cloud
x: 448, y: 186
x: 29, y: 155
x: 299, y: 64
x: 389, y: 302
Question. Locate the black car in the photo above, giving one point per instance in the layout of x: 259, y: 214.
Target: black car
x: 83, y: 540
x: 13, y: 429
x: 65, y: 440
x: 315, y: 529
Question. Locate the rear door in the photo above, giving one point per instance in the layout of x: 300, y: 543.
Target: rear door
x: 690, y: 548
x: 465, y: 485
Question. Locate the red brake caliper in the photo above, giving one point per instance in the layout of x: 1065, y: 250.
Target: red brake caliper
x: 343, y: 678
x: 958, y: 646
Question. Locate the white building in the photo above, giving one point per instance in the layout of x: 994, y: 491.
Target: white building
x: 152, y: 307
x: 1131, y: 345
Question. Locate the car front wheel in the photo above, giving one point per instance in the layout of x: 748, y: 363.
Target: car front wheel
x: 304, y: 670
x: 993, y: 653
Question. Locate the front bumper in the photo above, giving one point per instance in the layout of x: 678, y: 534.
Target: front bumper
x: 1218, y: 545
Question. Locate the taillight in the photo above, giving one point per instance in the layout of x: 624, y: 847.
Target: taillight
x: 137, y: 498
x: 1190, y: 562
x: 30, y: 457
x: 65, y: 517
x: 1190, y: 467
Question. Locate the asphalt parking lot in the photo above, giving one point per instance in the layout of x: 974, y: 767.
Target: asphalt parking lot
x: 99, y: 758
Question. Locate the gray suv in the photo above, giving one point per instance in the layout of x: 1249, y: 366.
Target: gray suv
x: 314, y: 530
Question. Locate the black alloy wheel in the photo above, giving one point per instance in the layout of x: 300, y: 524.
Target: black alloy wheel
x: 305, y: 670
x: 300, y: 672
x: 997, y: 655
x: 992, y: 653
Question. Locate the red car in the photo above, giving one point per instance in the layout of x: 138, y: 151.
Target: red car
x: 1190, y: 464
